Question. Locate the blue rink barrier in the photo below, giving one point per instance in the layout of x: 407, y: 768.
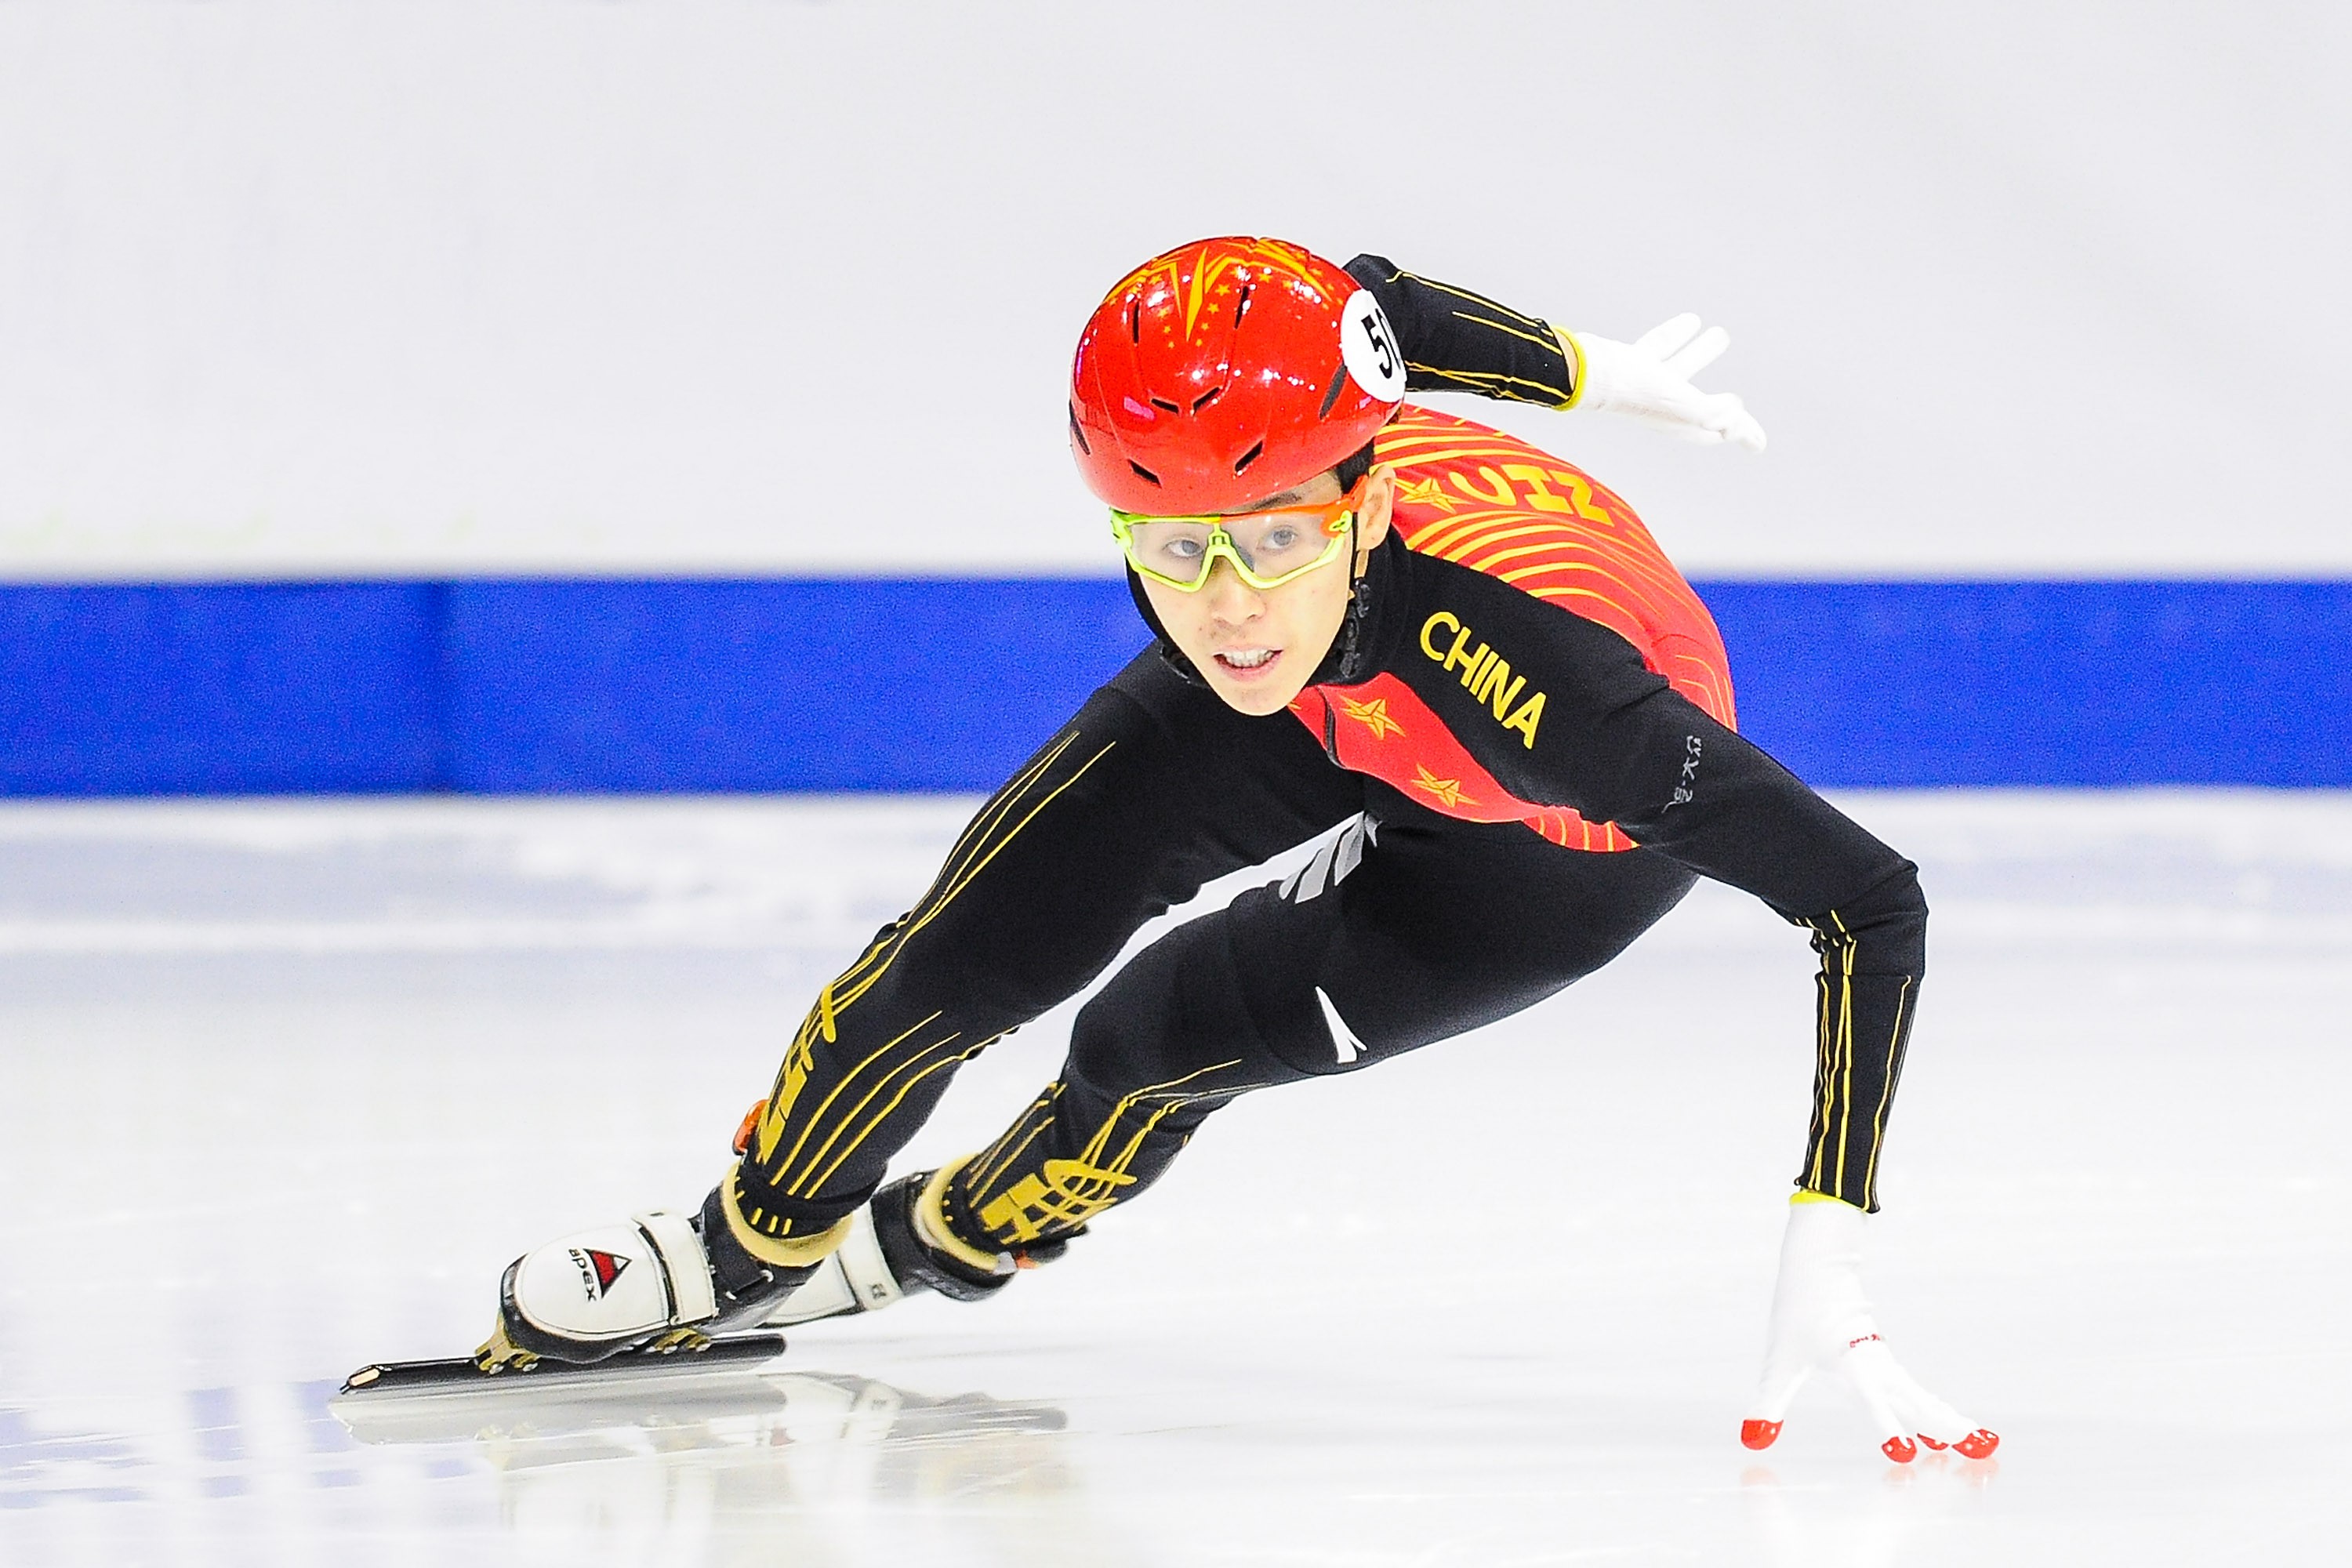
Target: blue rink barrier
x: 582, y: 686
x: 1869, y: 684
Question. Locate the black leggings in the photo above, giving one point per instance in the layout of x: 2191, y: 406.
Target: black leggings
x: 1407, y: 928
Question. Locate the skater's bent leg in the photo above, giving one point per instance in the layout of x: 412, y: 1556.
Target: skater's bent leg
x: 1152, y: 789
x: 1166, y: 1042
x: 1442, y: 927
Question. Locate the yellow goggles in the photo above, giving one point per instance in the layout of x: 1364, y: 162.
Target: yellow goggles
x: 1266, y: 549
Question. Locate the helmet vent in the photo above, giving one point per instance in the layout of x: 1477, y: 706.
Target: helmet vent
x: 1078, y: 435
x: 1164, y: 404
x: 1143, y: 473
x: 1135, y: 320
x: 1331, y: 392
x: 1241, y: 305
x: 1206, y: 399
x: 1246, y: 458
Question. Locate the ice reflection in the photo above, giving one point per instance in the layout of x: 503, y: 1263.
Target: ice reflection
x: 37, y: 1465
x: 1849, y: 1527
x: 809, y: 1460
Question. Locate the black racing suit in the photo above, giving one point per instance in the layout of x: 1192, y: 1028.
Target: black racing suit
x: 1410, y: 926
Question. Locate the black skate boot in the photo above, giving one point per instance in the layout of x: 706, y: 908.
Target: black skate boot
x: 923, y: 1254
x: 915, y: 1221
x: 903, y: 1242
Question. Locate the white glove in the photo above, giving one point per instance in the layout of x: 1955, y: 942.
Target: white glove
x: 1821, y: 1319
x: 1648, y: 379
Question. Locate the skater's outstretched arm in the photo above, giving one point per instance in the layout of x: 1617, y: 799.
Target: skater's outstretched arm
x: 1619, y: 744
x: 1457, y: 340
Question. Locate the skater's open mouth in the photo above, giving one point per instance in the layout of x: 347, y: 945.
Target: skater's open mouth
x: 1247, y: 661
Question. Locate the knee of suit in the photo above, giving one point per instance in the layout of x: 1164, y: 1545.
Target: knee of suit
x: 1185, y: 1013
x: 1164, y: 1018
x: 1287, y: 964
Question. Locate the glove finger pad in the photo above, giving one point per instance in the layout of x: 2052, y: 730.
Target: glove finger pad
x: 1662, y: 340
x: 1699, y: 352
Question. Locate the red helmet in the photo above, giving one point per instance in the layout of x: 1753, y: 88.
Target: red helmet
x: 1226, y: 371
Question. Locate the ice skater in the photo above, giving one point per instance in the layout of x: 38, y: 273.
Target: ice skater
x: 1465, y: 655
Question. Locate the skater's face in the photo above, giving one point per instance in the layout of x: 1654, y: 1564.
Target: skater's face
x: 1256, y: 647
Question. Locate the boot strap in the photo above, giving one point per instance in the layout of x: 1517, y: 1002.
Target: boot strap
x: 686, y: 1275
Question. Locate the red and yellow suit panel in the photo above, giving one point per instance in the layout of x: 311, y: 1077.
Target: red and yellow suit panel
x: 1471, y: 496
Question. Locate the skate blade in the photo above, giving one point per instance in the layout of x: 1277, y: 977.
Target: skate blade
x: 383, y: 1397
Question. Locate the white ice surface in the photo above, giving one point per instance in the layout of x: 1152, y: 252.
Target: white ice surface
x: 283, y: 1087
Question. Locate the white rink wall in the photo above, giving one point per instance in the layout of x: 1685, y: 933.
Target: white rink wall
x: 427, y: 287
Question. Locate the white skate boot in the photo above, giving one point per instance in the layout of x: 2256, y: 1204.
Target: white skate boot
x: 658, y: 1282
x: 661, y: 1283
x: 589, y: 1296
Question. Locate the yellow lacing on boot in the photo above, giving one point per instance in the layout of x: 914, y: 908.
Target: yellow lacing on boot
x: 932, y: 1222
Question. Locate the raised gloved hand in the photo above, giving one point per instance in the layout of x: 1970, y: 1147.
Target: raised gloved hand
x: 1820, y: 1319
x: 1648, y: 379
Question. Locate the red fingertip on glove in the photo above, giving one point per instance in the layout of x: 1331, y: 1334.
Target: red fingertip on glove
x: 1760, y: 1433
x: 1939, y: 1447
x: 1902, y: 1450
x: 1978, y: 1444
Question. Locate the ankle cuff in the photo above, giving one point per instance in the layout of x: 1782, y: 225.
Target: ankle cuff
x: 780, y: 1252
x: 931, y: 1224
